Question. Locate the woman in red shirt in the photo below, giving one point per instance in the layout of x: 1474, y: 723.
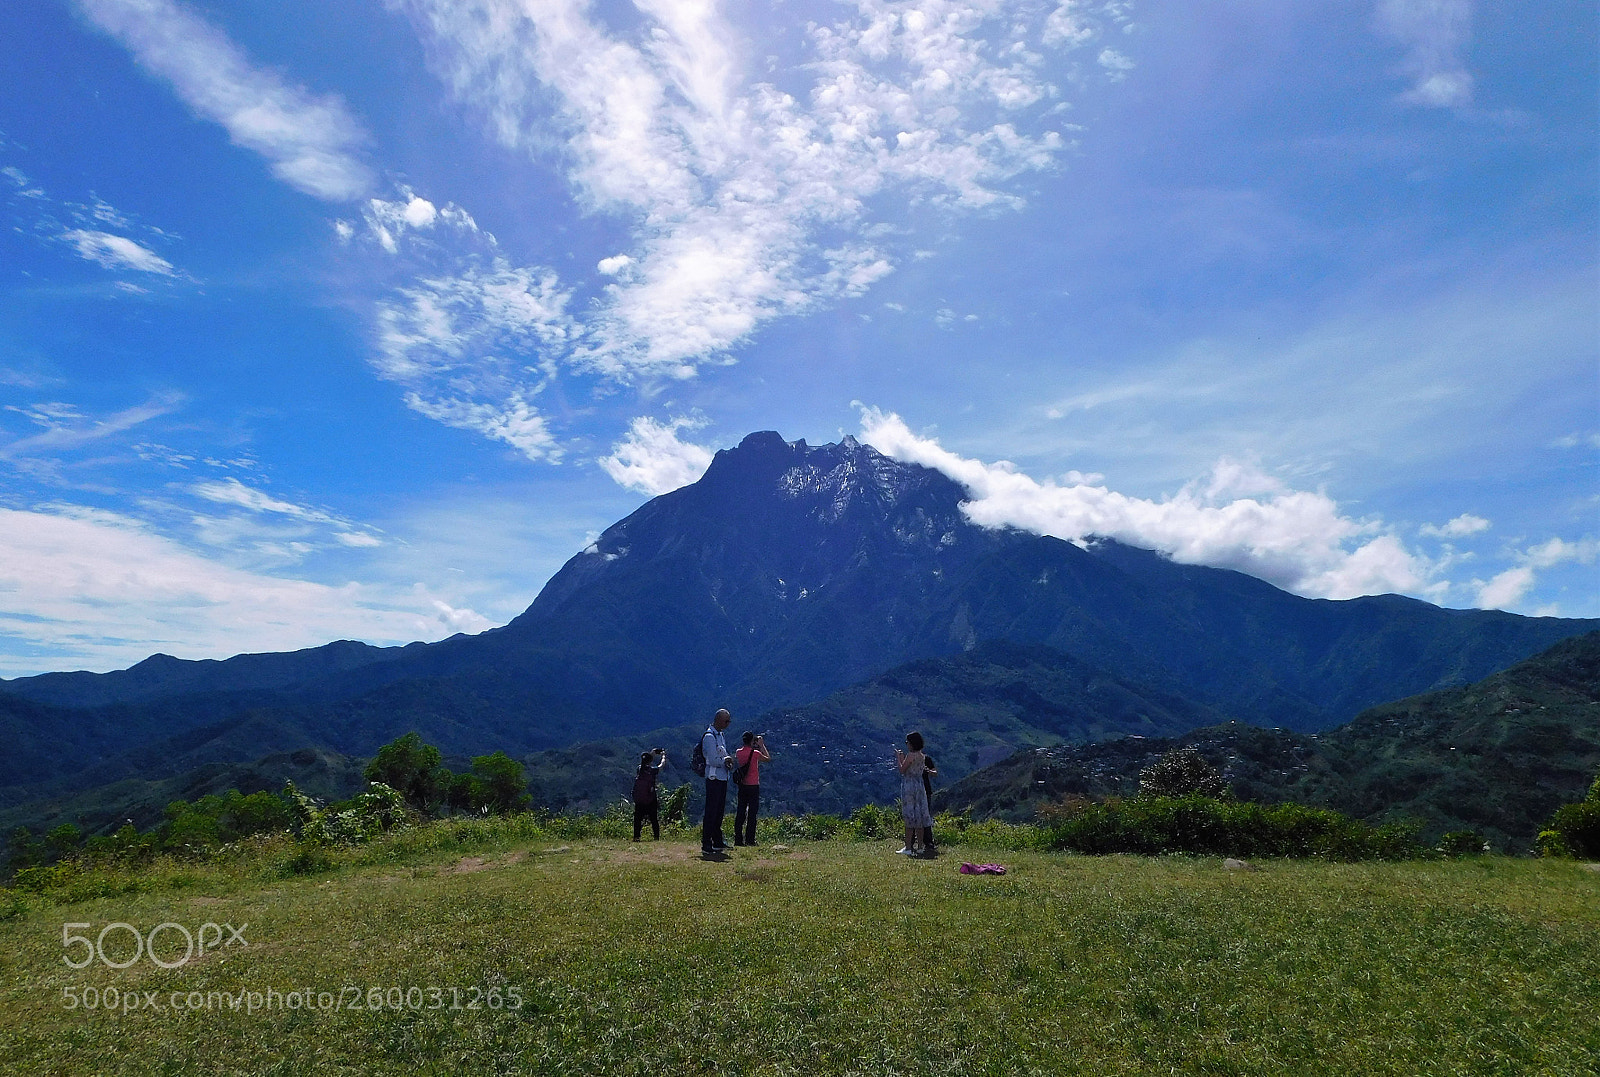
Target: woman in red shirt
x: 748, y: 760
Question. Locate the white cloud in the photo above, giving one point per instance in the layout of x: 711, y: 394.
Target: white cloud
x: 1238, y: 518
x: 231, y: 491
x: 116, y: 252
x: 747, y: 201
x: 65, y: 428
x: 476, y: 344
x: 271, y: 527
x: 357, y: 539
x: 1460, y: 527
x: 513, y: 421
x: 310, y: 142
x: 652, y: 458
x: 1510, y: 587
x: 460, y: 620
x: 99, y: 591
x: 1436, y: 34
x: 1115, y: 63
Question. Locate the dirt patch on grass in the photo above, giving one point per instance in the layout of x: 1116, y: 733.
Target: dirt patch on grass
x: 469, y: 863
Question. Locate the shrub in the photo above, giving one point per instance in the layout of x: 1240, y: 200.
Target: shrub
x: 1181, y: 772
x: 26, y: 851
x: 822, y: 827
x: 1579, y: 828
x: 871, y: 821
x: 1550, y: 843
x: 1462, y: 843
x: 676, y: 805
x: 1206, y: 826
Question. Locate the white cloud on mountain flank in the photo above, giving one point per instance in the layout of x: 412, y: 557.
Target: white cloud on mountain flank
x: 1238, y: 518
x: 311, y: 142
x: 653, y: 459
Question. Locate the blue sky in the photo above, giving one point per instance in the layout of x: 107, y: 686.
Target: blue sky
x: 357, y: 319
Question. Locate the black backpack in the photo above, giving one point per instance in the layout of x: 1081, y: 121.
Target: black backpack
x: 742, y: 771
x: 697, y: 761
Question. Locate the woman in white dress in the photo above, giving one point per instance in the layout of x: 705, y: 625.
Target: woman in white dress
x: 913, y: 795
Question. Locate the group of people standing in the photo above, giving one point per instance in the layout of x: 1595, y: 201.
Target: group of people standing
x: 743, y: 767
x: 745, y: 764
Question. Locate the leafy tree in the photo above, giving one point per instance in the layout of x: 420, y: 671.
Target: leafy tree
x: 64, y: 839
x: 1594, y: 790
x: 504, y: 786
x: 412, y: 769
x: 257, y: 813
x: 465, y: 792
x: 193, y: 830
x: 26, y: 851
x: 1182, y: 772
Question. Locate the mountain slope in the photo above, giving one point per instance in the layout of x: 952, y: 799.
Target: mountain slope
x: 1497, y: 756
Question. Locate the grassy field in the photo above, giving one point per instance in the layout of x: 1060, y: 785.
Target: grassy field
x: 823, y: 958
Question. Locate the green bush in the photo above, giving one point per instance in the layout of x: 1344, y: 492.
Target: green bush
x: 1579, y: 828
x: 1550, y: 843
x: 1462, y: 843
x: 676, y: 805
x: 1207, y: 826
x: 822, y: 827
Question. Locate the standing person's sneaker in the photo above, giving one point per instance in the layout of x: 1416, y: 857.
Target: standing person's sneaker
x: 906, y: 850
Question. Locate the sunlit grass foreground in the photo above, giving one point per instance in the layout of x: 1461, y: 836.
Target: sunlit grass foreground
x: 410, y: 955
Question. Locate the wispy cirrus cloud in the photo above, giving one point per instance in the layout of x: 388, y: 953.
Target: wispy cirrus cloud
x: 67, y: 428
x: 746, y: 195
x: 1238, y: 517
x: 116, y: 252
x: 230, y: 491
x: 83, y: 228
x: 312, y: 143
x: 1435, y: 34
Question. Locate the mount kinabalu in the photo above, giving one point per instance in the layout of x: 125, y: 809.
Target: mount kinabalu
x: 786, y: 572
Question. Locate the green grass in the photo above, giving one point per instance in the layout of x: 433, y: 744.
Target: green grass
x: 828, y: 958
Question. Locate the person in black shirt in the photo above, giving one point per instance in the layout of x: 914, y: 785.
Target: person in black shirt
x: 645, y: 803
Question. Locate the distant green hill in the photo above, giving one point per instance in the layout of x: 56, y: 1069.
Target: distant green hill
x: 325, y: 775
x: 1497, y: 756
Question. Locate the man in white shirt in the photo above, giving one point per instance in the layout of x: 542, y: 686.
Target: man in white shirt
x: 719, y: 764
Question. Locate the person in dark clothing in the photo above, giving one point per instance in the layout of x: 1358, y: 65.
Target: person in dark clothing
x: 719, y: 767
x: 929, y: 769
x: 646, y: 804
x: 752, y: 755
